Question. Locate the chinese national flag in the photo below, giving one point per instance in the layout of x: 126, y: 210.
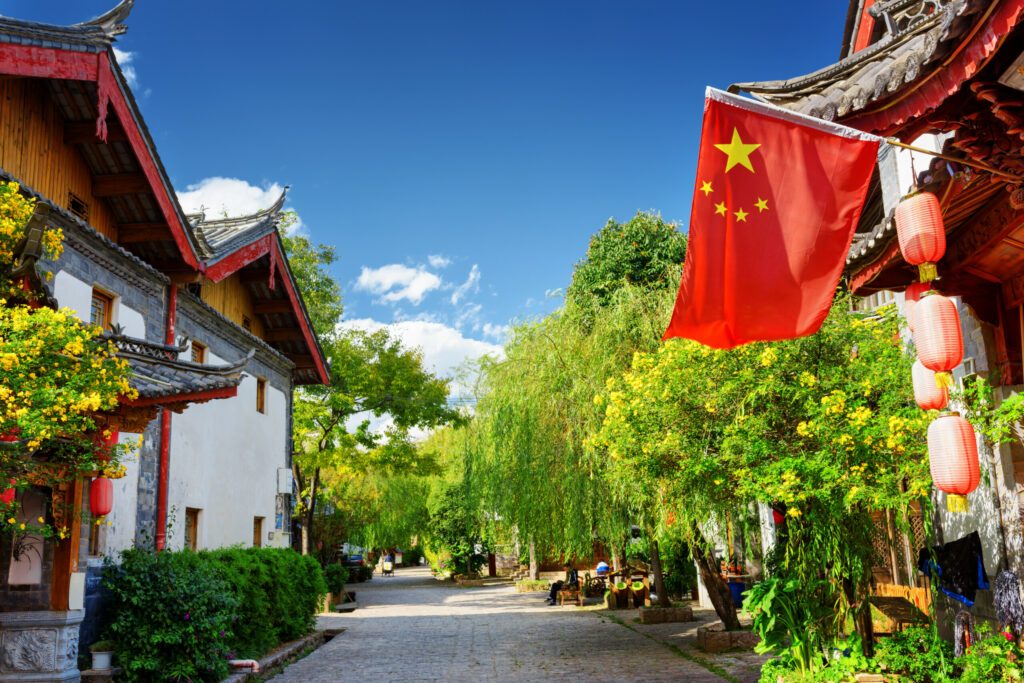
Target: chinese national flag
x: 776, y: 203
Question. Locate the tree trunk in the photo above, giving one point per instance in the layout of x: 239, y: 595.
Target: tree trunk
x: 307, y: 525
x: 659, y: 577
x: 861, y: 618
x: 534, y: 573
x: 711, y: 575
x: 615, y: 560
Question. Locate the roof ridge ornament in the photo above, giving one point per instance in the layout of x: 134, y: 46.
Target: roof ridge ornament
x: 112, y: 21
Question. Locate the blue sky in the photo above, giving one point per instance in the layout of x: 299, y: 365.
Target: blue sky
x: 458, y: 154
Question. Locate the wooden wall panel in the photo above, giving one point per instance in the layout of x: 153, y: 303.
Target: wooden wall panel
x: 231, y: 297
x: 32, y: 148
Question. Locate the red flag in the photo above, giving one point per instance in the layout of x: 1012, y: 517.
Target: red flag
x: 776, y: 203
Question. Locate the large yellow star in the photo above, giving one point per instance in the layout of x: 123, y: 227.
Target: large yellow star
x: 761, y: 204
x: 741, y: 216
x: 720, y: 208
x: 706, y: 188
x: 739, y: 152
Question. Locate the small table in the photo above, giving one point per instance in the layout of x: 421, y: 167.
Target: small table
x: 900, y: 611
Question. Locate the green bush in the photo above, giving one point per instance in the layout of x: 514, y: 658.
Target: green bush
x: 336, y: 575
x: 916, y: 653
x: 172, y: 616
x: 239, y: 602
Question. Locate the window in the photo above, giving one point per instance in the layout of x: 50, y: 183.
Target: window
x: 192, y: 528
x: 78, y: 206
x: 198, y: 353
x: 102, y: 309
x: 246, y: 324
x: 257, y: 532
x: 261, y: 394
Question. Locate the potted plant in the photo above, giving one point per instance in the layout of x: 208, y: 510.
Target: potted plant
x: 102, y: 652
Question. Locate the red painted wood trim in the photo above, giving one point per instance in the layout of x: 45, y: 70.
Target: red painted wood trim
x: 147, y: 161
x: 44, y: 62
x: 865, y: 28
x: 236, y: 261
x: 871, y: 271
x: 194, y: 397
x: 307, y: 331
x: 162, y: 476
x: 964, y: 65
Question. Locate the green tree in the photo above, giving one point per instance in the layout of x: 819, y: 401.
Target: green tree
x: 371, y: 375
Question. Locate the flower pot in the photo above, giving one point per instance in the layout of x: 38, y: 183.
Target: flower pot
x: 101, y: 660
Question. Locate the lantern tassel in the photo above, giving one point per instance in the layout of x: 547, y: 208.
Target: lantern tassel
x: 927, y: 271
x: 944, y: 380
x: 955, y: 503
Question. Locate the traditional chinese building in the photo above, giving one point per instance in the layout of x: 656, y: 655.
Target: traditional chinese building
x: 946, y: 75
x: 205, y: 310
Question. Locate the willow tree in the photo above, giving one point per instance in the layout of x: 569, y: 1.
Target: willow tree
x: 531, y: 463
x: 824, y: 427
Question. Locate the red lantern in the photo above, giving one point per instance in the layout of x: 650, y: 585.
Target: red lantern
x: 104, y: 443
x: 101, y: 497
x: 7, y: 497
x: 911, y: 296
x: 928, y: 394
x: 937, y: 335
x: 778, y: 517
x: 953, y: 459
x: 921, y: 233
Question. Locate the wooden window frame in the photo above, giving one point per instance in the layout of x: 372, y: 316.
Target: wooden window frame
x: 257, y: 532
x: 72, y: 200
x: 108, y: 308
x: 192, y: 528
x: 198, y: 352
x: 246, y: 323
x: 261, y: 395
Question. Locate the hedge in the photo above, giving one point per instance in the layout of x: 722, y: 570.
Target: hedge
x: 181, y: 615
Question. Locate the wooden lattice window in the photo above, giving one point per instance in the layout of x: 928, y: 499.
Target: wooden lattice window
x: 198, y: 353
x: 102, y: 309
x: 246, y: 324
x: 78, y: 206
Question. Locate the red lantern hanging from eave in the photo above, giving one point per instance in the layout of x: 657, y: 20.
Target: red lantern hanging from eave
x: 101, y: 497
x: 105, y: 439
x: 911, y: 295
x: 921, y: 233
x: 927, y: 392
x: 937, y: 336
x: 953, y: 459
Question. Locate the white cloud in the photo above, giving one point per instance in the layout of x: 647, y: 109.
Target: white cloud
x: 219, y: 197
x: 395, y: 282
x: 471, y: 285
x: 438, y: 261
x: 124, y: 60
x: 554, y: 293
x: 499, y: 332
x: 445, y: 349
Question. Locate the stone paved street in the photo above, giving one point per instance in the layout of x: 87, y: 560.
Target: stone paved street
x: 411, y: 627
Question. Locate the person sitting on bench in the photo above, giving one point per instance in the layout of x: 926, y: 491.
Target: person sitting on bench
x: 572, y: 580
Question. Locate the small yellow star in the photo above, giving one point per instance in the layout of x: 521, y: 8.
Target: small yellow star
x: 761, y: 204
x: 741, y: 216
x: 720, y: 208
x: 706, y: 188
x: 738, y: 151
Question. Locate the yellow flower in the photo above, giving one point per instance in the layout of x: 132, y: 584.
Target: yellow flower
x: 793, y: 512
x: 41, y: 520
x: 805, y: 429
x: 768, y: 357
x: 807, y: 379
x: 11, y: 520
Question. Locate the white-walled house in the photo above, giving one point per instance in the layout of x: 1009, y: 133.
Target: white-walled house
x: 206, y: 311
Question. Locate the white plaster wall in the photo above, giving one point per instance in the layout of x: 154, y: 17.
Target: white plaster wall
x: 75, y: 294
x: 120, y: 535
x: 224, y: 461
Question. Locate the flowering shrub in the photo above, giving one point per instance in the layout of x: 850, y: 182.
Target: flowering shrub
x: 56, y: 374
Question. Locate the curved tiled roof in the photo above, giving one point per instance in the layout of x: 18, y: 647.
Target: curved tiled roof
x: 157, y: 372
x: 94, y: 35
x: 220, y: 237
x: 900, y: 57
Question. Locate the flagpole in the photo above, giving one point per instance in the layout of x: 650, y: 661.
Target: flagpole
x: 955, y: 160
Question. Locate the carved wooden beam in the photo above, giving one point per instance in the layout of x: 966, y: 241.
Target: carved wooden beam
x: 118, y: 184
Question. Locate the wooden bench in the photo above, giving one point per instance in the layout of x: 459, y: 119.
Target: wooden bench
x: 572, y: 595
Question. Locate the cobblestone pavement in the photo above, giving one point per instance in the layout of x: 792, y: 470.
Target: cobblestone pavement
x: 413, y: 628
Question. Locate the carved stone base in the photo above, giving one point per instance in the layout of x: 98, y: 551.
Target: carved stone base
x: 39, y: 646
